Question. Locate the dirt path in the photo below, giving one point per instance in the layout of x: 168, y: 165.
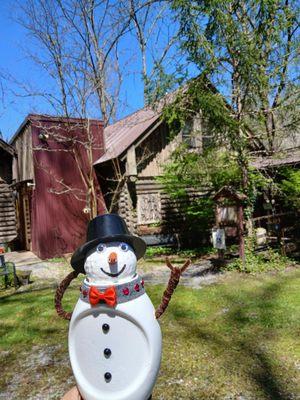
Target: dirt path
x: 200, y: 273
x: 197, y: 275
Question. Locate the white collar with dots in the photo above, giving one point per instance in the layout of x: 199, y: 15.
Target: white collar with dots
x: 125, y: 291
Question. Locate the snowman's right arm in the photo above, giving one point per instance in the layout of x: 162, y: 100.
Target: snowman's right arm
x: 60, y: 292
x: 175, y: 275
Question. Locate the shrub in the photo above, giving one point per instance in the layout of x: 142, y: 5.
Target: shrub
x: 290, y: 187
x: 6, y: 280
x: 166, y: 251
x: 266, y: 261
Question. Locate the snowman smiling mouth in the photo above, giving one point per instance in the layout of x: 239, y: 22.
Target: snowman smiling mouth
x: 114, y: 275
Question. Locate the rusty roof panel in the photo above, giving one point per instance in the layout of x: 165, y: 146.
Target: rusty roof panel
x: 119, y: 136
x: 287, y: 157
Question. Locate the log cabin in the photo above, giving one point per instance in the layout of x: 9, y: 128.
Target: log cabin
x: 136, y: 148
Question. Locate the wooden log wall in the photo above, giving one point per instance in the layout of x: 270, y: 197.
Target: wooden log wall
x: 8, y: 229
x: 147, y: 209
x: 168, y: 212
x: 126, y: 208
x: 155, y: 212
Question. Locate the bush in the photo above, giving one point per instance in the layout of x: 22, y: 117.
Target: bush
x: 267, y: 261
x: 7, y: 280
x: 167, y: 251
x: 158, y: 251
x: 290, y: 186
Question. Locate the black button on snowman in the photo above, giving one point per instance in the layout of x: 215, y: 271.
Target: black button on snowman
x: 107, y: 352
x: 114, y: 336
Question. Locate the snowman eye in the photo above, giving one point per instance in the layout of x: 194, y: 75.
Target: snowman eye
x: 100, y: 247
x: 124, y: 246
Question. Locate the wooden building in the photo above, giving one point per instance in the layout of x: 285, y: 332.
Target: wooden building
x: 8, y: 221
x: 136, y: 148
x: 229, y: 214
x: 50, y: 174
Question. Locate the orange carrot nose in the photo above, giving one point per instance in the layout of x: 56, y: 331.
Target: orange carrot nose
x: 112, y: 258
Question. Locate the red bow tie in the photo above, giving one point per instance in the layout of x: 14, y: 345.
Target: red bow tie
x: 109, y: 296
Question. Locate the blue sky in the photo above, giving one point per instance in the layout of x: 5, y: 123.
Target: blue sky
x: 14, y: 62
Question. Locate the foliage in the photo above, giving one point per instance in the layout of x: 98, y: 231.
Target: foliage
x: 268, y: 260
x: 167, y: 82
x: 261, y: 262
x: 206, y: 173
x: 198, y: 94
x: 290, y: 187
x: 249, y: 51
x: 257, y: 184
x: 247, y: 87
x: 6, y: 280
x: 154, y: 251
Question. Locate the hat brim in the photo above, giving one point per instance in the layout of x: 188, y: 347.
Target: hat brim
x: 78, y: 258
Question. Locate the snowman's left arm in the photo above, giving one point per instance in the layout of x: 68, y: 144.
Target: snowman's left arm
x: 176, y: 272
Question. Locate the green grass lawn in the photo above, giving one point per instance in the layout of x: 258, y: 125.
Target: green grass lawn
x: 239, y: 339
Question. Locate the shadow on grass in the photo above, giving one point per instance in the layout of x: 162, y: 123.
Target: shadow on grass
x: 244, y: 352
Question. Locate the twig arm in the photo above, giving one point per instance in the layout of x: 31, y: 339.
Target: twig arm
x: 60, y: 293
x: 176, y: 272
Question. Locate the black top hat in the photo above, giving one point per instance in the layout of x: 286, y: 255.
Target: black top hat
x: 102, y: 229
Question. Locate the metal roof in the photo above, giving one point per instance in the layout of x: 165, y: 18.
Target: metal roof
x: 287, y: 157
x: 119, y: 136
x: 122, y: 134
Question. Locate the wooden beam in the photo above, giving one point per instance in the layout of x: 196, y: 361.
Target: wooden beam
x: 131, y: 168
x: 8, y: 224
x: 144, y: 136
x: 7, y: 147
x: 8, y: 230
x: 241, y: 232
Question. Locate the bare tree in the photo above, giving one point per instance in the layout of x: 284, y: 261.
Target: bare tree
x: 77, y: 47
x: 79, y: 44
x: 156, y: 37
x: 80, y: 141
x: 75, y: 43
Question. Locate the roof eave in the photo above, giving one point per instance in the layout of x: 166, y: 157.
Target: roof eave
x: 43, y: 117
x: 136, y: 142
x: 21, y: 127
x: 7, y: 147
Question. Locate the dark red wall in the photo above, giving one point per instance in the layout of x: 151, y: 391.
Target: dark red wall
x: 58, y: 222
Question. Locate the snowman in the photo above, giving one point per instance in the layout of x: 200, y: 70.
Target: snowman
x: 115, y: 340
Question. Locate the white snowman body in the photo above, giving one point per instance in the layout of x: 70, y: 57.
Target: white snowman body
x: 115, y: 352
